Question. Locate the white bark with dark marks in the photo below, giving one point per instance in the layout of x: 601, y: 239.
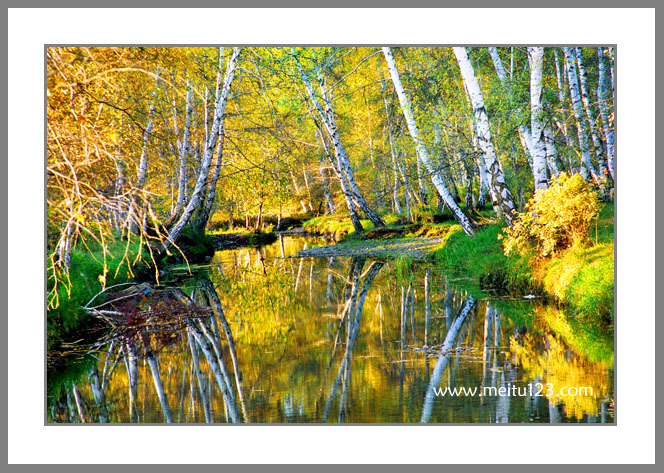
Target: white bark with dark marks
x: 536, y: 61
x: 587, y: 168
x: 604, y: 100
x: 436, y: 177
x: 201, y: 181
x: 501, y: 197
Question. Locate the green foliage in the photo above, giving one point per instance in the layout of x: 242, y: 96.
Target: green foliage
x: 194, y: 244
x: 583, y: 278
x: 90, y: 271
x: 337, y: 225
x: 555, y: 219
x: 482, y: 258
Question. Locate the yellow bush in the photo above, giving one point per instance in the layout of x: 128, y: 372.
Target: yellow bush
x: 555, y: 218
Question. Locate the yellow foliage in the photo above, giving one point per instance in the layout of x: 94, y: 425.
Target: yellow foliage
x: 555, y: 219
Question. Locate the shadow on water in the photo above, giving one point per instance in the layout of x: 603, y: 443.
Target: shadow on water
x: 259, y: 336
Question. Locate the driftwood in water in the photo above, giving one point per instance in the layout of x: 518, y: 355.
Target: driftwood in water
x: 145, y: 315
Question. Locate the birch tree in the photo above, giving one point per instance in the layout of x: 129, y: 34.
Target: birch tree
x: 501, y: 197
x: 326, y: 114
x: 598, y: 146
x: 343, y: 183
x: 197, y: 194
x: 604, y: 101
x: 536, y: 60
x: 587, y: 169
x: 436, y: 177
x: 184, y: 149
x: 206, y: 207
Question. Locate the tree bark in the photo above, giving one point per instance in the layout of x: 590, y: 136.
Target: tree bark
x: 501, y: 197
x: 604, y: 109
x: 587, y: 169
x: 197, y: 195
x: 436, y: 177
x: 352, y: 211
x: 536, y: 61
x: 206, y: 208
x: 184, y: 149
x: 343, y: 164
x: 597, y: 142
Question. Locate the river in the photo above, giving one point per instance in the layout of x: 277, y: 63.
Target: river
x: 341, y: 339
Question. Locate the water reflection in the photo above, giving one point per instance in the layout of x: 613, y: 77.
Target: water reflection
x: 281, y: 339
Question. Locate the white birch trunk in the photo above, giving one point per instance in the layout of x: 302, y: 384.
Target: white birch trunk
x: 436, y: 177
x: 197, y: 195
x: 501, y: 197
x: 587, y: 169
x: 551, y: 151
x: 184, y: 149
x: 536, y: 61
x: 327, y: 116
x: 604, y: 109
x: 206, y: 209
x: 597, y: 142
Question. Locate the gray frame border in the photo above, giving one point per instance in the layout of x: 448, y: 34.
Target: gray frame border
x: 292, y: 4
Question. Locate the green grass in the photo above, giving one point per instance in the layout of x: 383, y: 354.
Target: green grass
x: 68, y: 295
x: 482, y: 260
x: 581, y: 278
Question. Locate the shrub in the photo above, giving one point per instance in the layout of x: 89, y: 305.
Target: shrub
x: 555, y: 219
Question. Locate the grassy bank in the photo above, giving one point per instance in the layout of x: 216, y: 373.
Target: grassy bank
x: 90, y: 270
x: 581, y: 278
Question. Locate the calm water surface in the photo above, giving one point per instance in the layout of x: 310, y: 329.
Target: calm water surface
x: 340, y: 340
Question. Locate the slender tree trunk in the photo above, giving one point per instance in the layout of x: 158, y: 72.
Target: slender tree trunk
x: 587, y: 169
x: 536, y: 60
x: 343, y: 164
x: 436, y: 177
x: 184, y: 149
x: 352, y: 211
x: 329, y: 200
x: 206, y: 208
x: 604, y: 109
x: 597, y: 142
x: 501, y: 197
x: 470, y: 197
x: 551, y: 151
x: 197, y: 195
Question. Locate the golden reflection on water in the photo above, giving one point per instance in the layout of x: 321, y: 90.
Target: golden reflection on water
x: 299, y: 361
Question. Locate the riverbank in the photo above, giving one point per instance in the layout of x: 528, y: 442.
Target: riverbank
x: 580, y: 278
